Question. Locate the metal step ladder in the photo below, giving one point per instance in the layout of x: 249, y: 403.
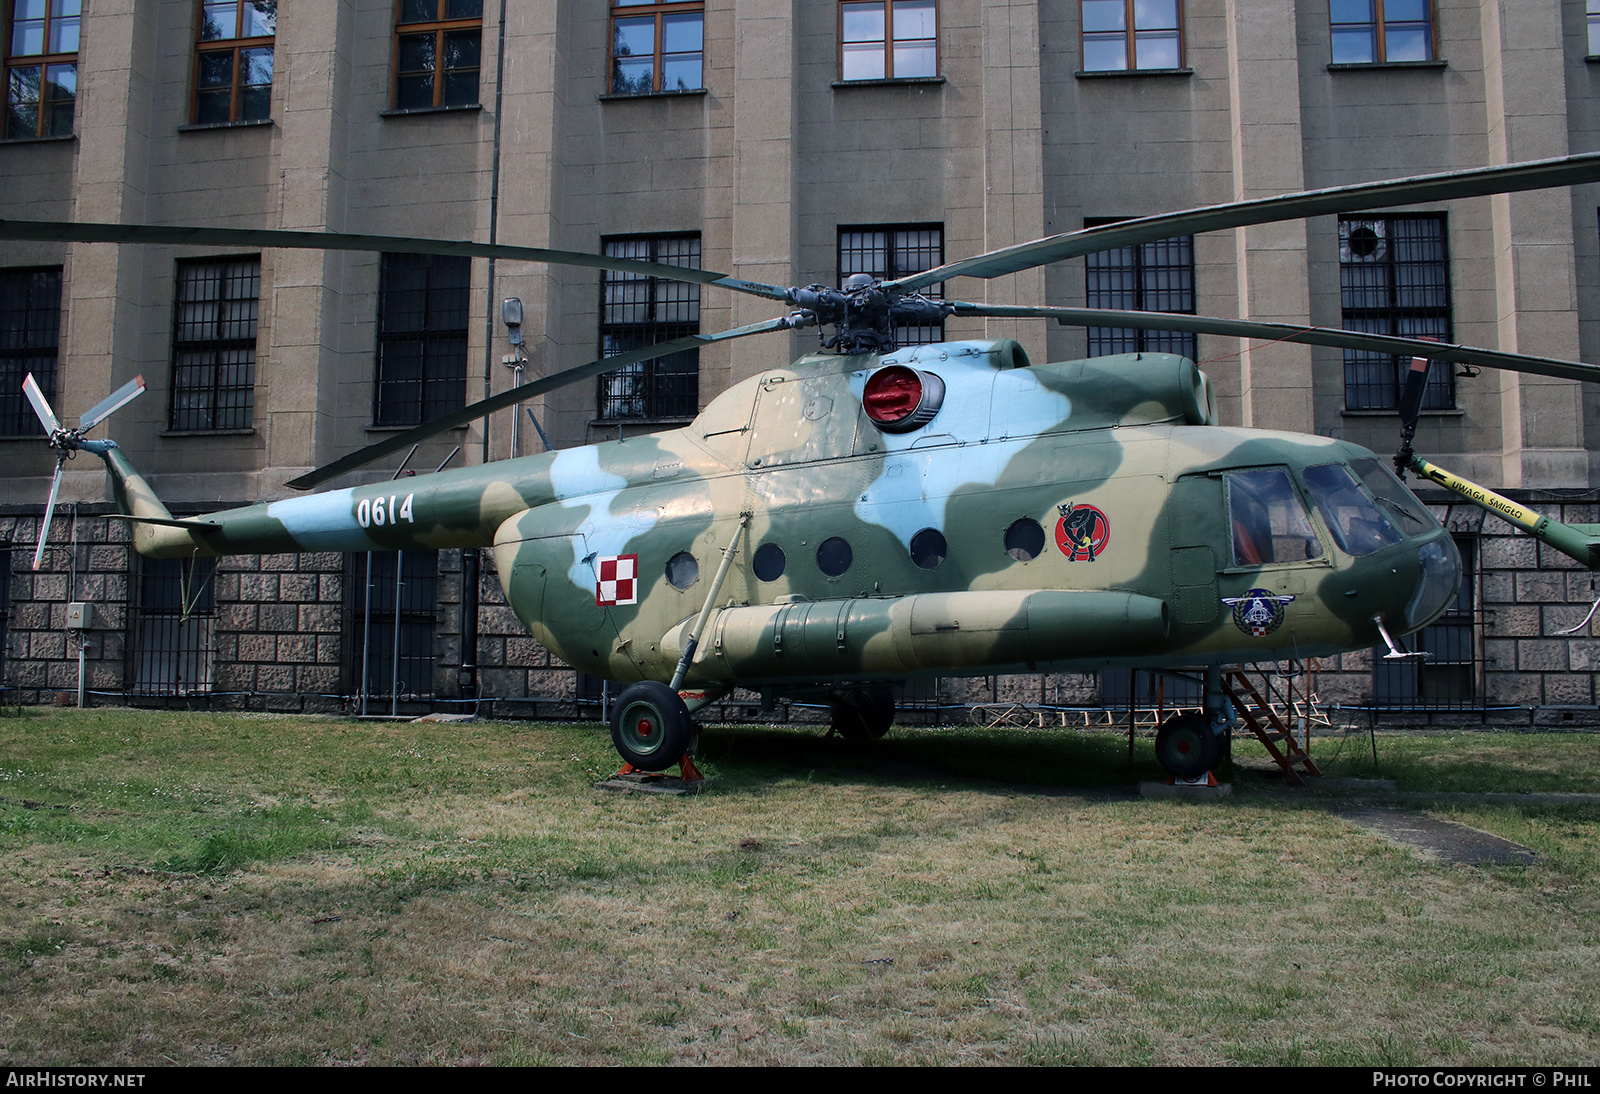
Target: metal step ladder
x: 1268, y: 726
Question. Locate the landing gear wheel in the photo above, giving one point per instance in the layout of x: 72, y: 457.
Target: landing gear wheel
x: 650, y: 726
x: 1186, y: 747
x: 862, y: 714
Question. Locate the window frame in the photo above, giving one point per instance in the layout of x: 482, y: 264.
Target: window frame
x: 1440, y: 393
x: 389, y: 411
x: 226, y: 406
x: 1130, y: 34
x: 34, y: 341
x: 660, y: 11
x: 438, y: 27
x: 1101, y: 340
x: 894, y: 266
x: 43, y: 122
x: 660, y: 404
x: 1592, y: 25
x: 1380, y: 26
x: 236, y: 47
x: 166, y: 637
x: 887, y: 42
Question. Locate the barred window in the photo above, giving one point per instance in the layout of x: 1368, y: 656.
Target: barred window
x: 1119, y: 35
x: 1156, y: 276
x: 638, y: 311
x: 1394, y: 278
x: 30, y: 341
x: 438, y: 53
x: 214, y: 343
x: 889, y: 251
x: 233, y: 61
x: 424, y: 304
x: 392, y: 625
x: 172, y: 655
x: 897, y: 40
x: 1374, y: 31
x: 657, y: 45
x: 42, y: 68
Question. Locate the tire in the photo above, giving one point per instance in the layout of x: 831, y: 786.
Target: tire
x: 862, y: 714
x: 1185, y: 746
x: 650, y: 726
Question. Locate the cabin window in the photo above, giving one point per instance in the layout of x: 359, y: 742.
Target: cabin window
x: 1119, y: 35
x: 893, y: 40
x: 834, y: 556
x: 424, y: 306
x: 657, y: 46
x: 769, y: 562
x: 928, y: 549
x: 1025, y: 539
x: 1400, y: 504
x: 214, y: 344
x: 636, y: 311
x: 438, y: 54
x: 171, y: 648
x: 1368, y: 32
x: 42, y: 68
x: 30, y: 341
x: 682, y: 570
x: 1350, y: 516
x: 1156, y: 276
x: 1394, y: 278
x: 233, y: 61
x: 1269, y: 522
x: 888, y: 251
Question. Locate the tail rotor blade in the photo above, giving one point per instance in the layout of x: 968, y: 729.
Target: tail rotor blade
x: 112, y: 403
x: 41, y: 407
x: 1411, y: 395
x: 49, y: 511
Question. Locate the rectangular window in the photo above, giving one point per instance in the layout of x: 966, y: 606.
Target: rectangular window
x: 398, y: 660
x: 30, y: 341
x: 1121, y: 35
x: 214, y: 343
x: 1394, y: 278
x: 893, y: 40
x: 233, y: 61
x: 1157, y: 276
x: 1593, y: 17
x: 657, y: 45
x: 1449, y: 676
x: 171, y: 647
x: 638, y: 311
x: 424, y: 306
x: 1373, y: 31
x: 438, y: 51
x: 896, y: 250
x: 41, y: 68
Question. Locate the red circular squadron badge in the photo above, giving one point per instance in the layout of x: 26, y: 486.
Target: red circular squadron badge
x: 1082, y: 532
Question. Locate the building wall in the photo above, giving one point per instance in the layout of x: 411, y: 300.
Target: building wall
x: 1012, y: 142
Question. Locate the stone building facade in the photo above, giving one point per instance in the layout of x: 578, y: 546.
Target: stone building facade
x: 780, y: 142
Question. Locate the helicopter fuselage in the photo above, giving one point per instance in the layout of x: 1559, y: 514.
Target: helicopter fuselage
x: 1064, y: 517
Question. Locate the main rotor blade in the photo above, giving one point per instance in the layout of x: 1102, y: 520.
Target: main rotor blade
x: 1473, y: 182
x: 1288, y: 332
x: 41, y: 407
x: 61, y: 231
x: 118, y: 399
x: 515, y: 395
x: 49, y: 511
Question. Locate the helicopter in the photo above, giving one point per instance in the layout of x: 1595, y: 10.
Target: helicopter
x: 876, y: 512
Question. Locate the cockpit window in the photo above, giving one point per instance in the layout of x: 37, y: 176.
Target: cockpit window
x: 1357, y: 525
x: 1269, y: 522
x: 1393, y: 497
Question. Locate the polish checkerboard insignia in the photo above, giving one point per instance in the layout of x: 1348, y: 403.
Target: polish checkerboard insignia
x: 1257, y: 613
x: 616, y: 580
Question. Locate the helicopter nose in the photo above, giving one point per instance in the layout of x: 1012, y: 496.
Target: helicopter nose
x: 1438, y: 580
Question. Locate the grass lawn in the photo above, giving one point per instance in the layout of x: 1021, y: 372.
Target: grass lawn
x: 217, y: 888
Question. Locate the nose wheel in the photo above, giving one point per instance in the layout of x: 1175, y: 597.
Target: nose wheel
x: 1186, y: 747
x: 650, y: 726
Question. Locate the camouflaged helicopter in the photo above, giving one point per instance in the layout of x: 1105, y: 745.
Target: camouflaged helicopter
x: 873, y: 513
